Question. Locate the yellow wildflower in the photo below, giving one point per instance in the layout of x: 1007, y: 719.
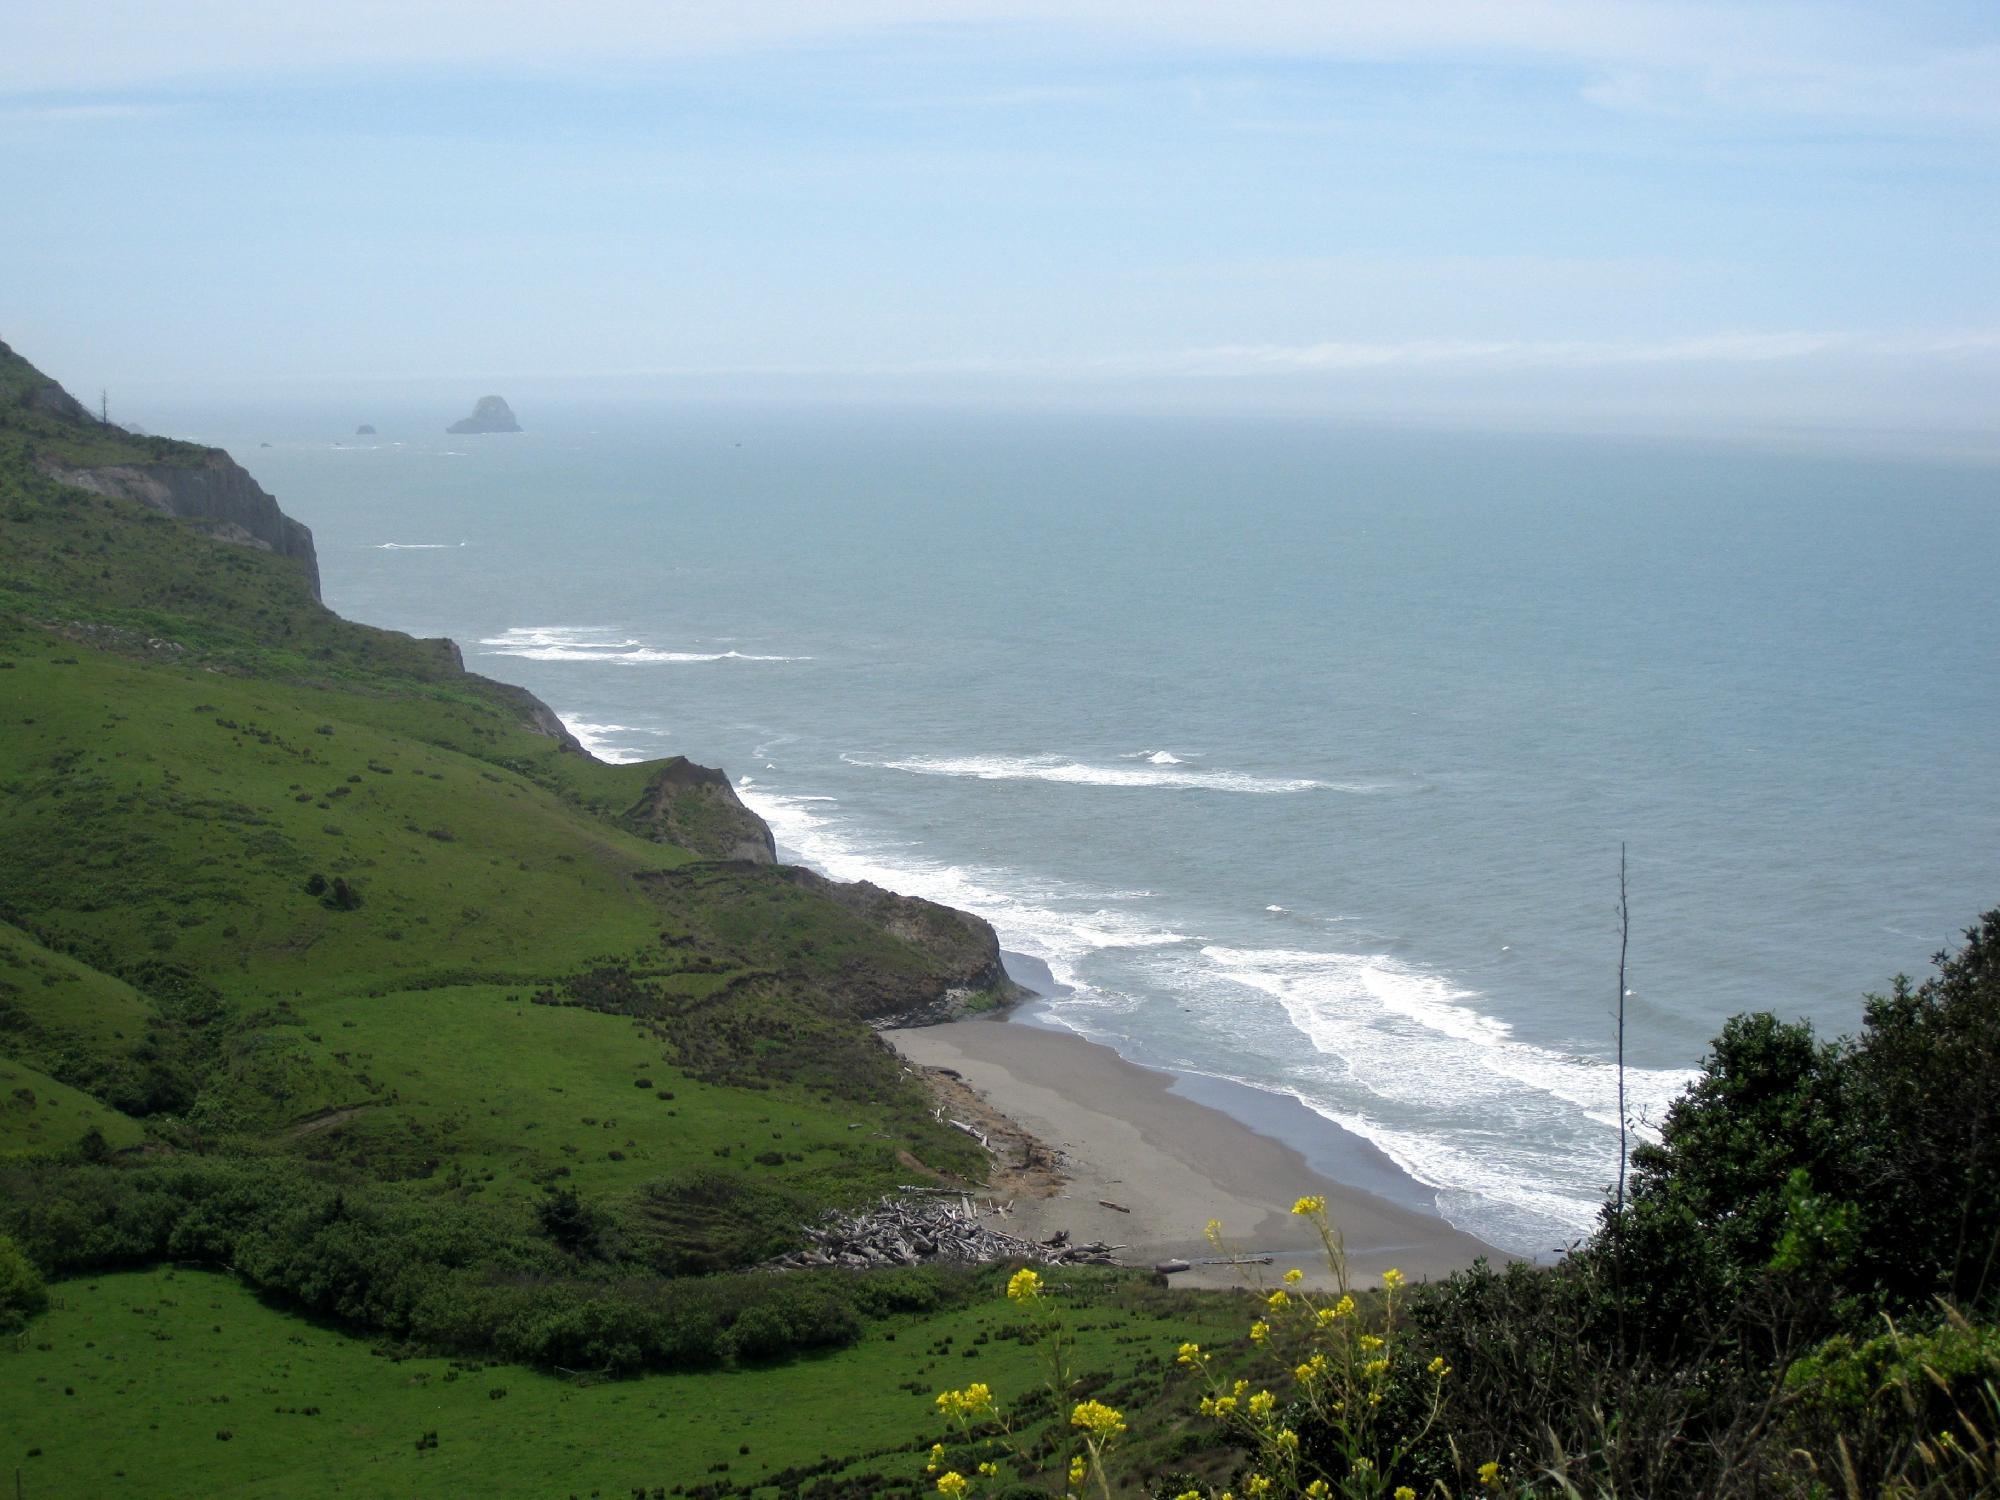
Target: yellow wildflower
x: 1097, y: 1419
x: 1190, y: 1354
x: 1261, y: 1404
x: 1259, y: 1331
x: 968, y: 1403
x: 988, y: 1470
x: 1078, y: 1469
x: 1318, y: 1490
x: 953, y: 1484
x: 1489, y: 1475
x: 1375, y: 1369
x: 1310, y: 1371
x: 1287, y: 1439
x: 1370, y: 1342
x: 1392, y: 1278
x: 1024, y: 1286
x: 1256, y: 1484
x: 1309, y: 1205
x: 1188, y: 1495
x: 1218, y: 1406
x: 1438, y: 1367
x: 1212, y: 1231
x: 1404, y: 1492
x: 1295, y: 1276
x: 1279, y: 1298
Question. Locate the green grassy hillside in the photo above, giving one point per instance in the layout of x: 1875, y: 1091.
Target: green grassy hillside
x: 181, y: 1383
x: 296, y: 905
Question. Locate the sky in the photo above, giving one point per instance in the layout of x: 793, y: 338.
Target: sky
x: 1620, y: 214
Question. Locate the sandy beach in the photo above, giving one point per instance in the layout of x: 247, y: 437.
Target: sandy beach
x: 1120, y: 1135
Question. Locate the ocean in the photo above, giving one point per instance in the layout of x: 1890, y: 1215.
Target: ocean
x: 1300, y: 753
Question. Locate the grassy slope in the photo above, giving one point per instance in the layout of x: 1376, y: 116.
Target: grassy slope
x: 526, y: 994
x: 161, y: 1362
x: 187, y: 739
x: 40, y: 1116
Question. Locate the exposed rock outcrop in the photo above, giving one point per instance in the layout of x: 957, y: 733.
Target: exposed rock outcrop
x: 962, y: 945
x: 696, y: 807
x: 492, y: 414
x: 952, y: 963
x: 215, y: 493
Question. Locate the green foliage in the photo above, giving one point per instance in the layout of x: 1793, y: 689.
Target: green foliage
x: 1916, y: 1407
x: 160, y: 1360
x: 1721, y: 1336
x: 548, y: 1287
x: 1864, y: 1173
x: 22, y: 1295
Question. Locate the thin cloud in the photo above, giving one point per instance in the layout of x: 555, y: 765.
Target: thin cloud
x: 1446, y: 356
x: 80, y: 114
x: 1441, y: 356
x: 1663, y: 55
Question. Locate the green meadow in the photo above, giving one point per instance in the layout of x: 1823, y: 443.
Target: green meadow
x: 179, y: 1382
x: 395, y: 1101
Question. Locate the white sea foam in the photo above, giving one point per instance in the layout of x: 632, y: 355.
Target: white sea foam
x: 573, y: 643
x: 581, y: 638
x: 1514, y: 1134
x: 612, y: 742
x: 1164, y: 758
x: 1513, y: 1137
x: 1058, y: 924
x: 1056, y: 768
x: 1516, y: 1139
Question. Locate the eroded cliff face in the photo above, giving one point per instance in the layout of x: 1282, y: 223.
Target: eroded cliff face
x: 696, y: 807
x: 216, y: 495
x: 965, y: 947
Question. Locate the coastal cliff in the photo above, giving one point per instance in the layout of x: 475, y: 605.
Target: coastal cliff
x: 94, y: 554
x: 696, y: 807
x: 214, y: 493
x: 67, y: 442
x: 965, y: 946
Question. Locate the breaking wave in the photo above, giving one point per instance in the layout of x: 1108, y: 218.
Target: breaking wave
x: 1169, y: 774
x: 619, y: 744
x: 566, y: 643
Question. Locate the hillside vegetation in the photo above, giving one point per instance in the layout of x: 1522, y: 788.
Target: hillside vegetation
x: 298, y: 917
x: 394, y: 1099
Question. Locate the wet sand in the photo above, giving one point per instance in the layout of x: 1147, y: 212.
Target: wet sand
x: 1120, y: 1133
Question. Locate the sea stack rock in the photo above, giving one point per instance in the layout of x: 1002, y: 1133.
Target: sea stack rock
x: 490, y: 415
x: 364, y: 430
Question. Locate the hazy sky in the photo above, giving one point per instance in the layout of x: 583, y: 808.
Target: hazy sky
x: 1578, y: 212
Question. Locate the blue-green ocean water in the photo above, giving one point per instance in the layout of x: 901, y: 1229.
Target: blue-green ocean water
x: 1301, y: 754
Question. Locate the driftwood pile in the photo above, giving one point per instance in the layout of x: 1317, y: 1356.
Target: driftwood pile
x: 941, y: 1227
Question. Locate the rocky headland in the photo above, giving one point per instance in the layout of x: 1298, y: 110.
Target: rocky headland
x: 213, y: 493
